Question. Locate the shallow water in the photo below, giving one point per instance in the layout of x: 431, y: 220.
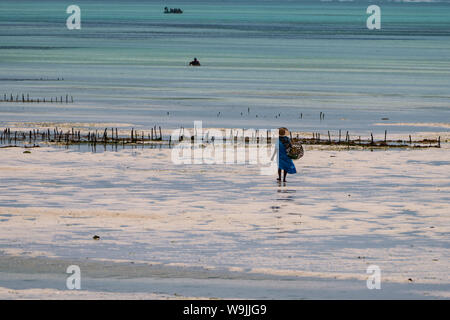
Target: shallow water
x: 285, y: 60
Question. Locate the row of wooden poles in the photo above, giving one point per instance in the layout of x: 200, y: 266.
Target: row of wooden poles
x: 108, y: 135
x: 316, y: 138
x: 111, y: 135
x: 321, y: 114
x: 26, y: 98
x: 74, y: 136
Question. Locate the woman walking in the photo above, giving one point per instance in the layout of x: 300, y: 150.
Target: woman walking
x: 285, y: 163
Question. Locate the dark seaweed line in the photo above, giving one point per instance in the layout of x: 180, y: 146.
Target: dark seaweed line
x: 110, y: 136
x: 24, y: 79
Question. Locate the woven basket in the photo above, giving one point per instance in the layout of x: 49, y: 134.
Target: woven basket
x: 296, y: 152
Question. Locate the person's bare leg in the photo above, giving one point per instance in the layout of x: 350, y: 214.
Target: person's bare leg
x: 284, y: 175
x: 279, y: 175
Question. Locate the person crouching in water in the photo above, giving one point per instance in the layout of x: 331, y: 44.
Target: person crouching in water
x: 195, y: 63
x: 285, y: 163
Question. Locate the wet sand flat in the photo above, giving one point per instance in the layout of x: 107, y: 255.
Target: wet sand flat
x: 344, y: 211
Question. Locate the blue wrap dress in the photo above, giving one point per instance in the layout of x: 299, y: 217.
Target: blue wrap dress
x: 284, y: 162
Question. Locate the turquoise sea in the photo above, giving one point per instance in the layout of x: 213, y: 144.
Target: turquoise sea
x: 265, y: 63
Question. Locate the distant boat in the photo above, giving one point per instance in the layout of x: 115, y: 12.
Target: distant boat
x: 173, y: 10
